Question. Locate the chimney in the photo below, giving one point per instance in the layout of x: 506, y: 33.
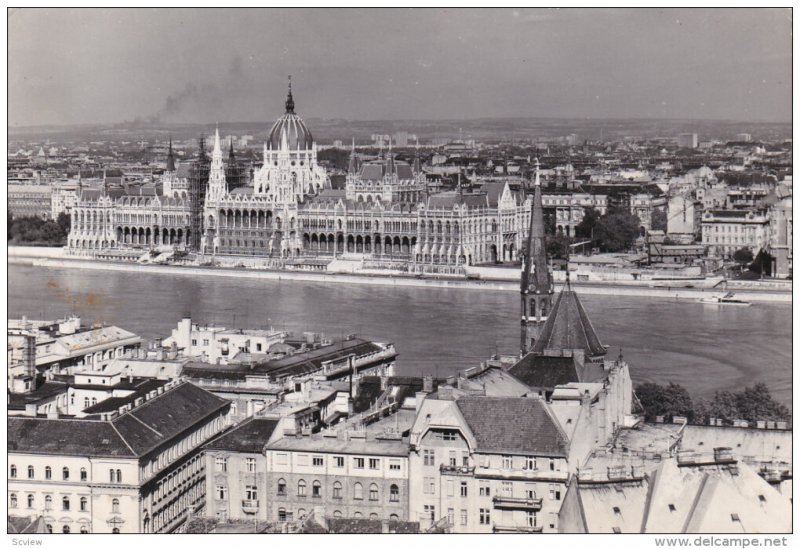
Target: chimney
x: 29, y: 357
x: 427, y: 384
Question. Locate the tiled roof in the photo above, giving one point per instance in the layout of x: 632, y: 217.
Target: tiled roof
x: 545, y: 371
x: 568, y: 327
x: 513, y: 426
x: 250, y: 436
x: 132, y: 434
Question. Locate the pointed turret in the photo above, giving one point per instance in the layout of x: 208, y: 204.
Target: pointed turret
x: 231, y: 155
x: 417, y: 168
x: 390, y: 164
x: 537, y: 282
x: 352, y: 167
x: 217, y: 186
x: 289, y: 98
x: 170, y: 158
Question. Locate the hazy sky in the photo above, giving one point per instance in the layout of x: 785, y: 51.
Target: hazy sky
x: 193, y: 65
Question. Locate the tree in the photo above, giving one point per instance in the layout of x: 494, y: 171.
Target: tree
x: 665, y: 400
x: 751, y: 403
x: 616, y: 232
x: 585, y: 228
x: 558, y: 246
x: 64, y: 222
x: 658, y: 220
x: 743, y: 256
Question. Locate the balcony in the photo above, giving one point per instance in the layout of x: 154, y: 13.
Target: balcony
x: 250, y: 505
x: 516, y: 529
x: 528, y: 504
x: 457, y: 470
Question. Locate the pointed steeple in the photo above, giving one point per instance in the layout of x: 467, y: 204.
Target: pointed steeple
x: 537, y: 282
x: 170, y: 158
x: 217, y: 184
x: 289, y: 98
x: 231, y: 155
x: 353, y: 166
x: 390, y: 164
x: 417, y: 168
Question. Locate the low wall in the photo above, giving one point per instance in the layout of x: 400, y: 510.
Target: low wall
x: 398, y: 281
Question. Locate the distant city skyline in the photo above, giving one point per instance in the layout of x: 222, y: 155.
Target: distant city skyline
x: 105, y: 66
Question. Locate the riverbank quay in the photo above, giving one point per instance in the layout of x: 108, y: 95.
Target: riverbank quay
x: 56, y: 258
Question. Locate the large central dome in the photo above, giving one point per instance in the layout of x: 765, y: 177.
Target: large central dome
x: 292, y: 127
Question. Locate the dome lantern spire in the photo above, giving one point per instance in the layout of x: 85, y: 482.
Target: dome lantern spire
x: 289, y: 98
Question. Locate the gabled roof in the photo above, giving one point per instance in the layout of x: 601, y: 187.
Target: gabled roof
x: 568, y: 327
x: 513, y: 426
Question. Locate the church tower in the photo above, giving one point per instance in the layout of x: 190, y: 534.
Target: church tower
x: 217, y: 187
x: 536, y: 290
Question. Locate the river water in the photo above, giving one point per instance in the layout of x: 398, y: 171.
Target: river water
x: 437, y: 330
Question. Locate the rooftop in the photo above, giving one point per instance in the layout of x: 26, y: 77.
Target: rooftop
x: 513, y: 426
x: 250, y: 436
x: 130, y: 435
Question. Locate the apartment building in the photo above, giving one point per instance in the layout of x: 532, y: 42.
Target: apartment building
x: 485, y: 464
x: 236, y: 471
x: 344, y: 474
x: 133, y: 469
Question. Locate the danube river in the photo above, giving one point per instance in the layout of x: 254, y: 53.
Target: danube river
x: 437, y: 330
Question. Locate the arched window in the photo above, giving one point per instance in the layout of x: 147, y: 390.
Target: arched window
x: 48, y: 503
x: 65, y: 503
x: 357, y: 515
x: 13, y: 500
x: 394, y: 493
x: 316, y: 489
x: 30, y: 471
x: 373, y: 492
x: 119, y: 475
x: 301, y: 487
x: 13, y: 471
x: 111, y: 475
x: 281, y: 515
x: 84, y: 504
x: 393, y: 517
x: 281, y: 487
x: 30, y: 501
x: 83, y: 473
x: 65, y: 473
x: 65, y: 529
x: 358, y: 491
x: 373, y: 516
x: 337, y: 490
x: 115, y: 505
x: 337, y: 514
x: 48, y: 472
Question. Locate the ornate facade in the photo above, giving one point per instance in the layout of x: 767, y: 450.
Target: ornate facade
x: 385, y: 217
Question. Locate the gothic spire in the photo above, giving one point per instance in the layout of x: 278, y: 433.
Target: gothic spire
x: 417, y: 168
x: 289, y: 98
x: 539, y: 279
x: 390, y: 163
x: 170, y: 158
x: 353, y: 167
x: 536, y: 289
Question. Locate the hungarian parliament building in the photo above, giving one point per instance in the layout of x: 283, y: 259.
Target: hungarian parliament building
x: 287, y: 213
